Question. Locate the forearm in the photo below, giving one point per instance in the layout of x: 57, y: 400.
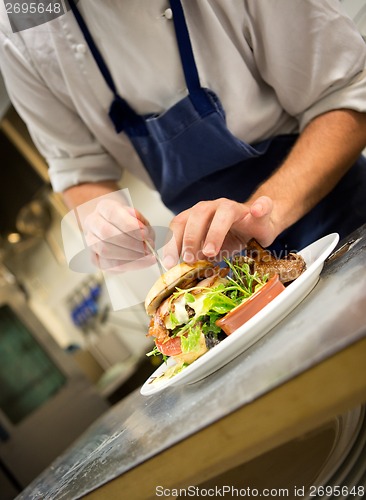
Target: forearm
x: 81, y: 193
x: 324, y: 152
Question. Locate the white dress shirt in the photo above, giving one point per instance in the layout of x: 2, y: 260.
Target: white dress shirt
x: 275, y: 65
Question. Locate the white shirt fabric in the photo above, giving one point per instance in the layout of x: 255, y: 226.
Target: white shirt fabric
x: 275, y: 65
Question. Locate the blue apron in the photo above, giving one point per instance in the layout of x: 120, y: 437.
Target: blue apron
x: 191, y: 155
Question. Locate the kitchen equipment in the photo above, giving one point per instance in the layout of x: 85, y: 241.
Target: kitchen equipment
x: 19, y: 184
x: 45, y: 400
x: 34, y: 219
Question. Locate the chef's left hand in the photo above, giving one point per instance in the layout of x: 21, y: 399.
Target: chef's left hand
x: 219, y: 228
x: 116, y: 233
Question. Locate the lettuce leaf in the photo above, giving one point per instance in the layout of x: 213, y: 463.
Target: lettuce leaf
x: 191, y: 342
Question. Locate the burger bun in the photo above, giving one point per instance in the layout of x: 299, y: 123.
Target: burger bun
x: 179, y: 276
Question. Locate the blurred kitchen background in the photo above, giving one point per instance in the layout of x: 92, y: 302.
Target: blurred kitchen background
x: 65, y: 356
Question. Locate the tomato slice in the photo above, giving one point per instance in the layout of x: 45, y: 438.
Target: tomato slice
x: 171, y: 347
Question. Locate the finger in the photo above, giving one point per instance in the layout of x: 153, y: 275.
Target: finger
x: 118, y: 266
x: 145, y: 232
x: 103, y: 230
x: 108, y: 250
x: 261, y: 207
x: 172, y: 249
x: 125, y: 219
x: 143, y: 222
x: 227, y: 213
x: 132, y: 224
x: 111, y: 219
x: 260, y: 220
x: 195, y: 231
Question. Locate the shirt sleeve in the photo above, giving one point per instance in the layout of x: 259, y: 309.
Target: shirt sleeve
x: 72, y: 152
x: 310, y: 53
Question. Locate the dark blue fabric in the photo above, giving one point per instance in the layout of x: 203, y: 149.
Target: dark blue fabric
x: 93, y: 47
x: 125, y: 119
x: 191, y: 155
x: 197, y: 95
x: 183, y: 148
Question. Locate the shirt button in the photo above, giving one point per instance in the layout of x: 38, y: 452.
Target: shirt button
x: 168, y: 14
x: 81, y: 48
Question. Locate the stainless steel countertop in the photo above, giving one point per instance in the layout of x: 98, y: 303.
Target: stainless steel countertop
x: 330, y: 318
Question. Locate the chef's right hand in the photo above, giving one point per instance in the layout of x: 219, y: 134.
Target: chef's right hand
x: 219, y: 228
x: 116, y: 234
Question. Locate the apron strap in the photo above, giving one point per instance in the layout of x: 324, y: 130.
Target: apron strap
x: 122, y: 115
x: 198, y: 96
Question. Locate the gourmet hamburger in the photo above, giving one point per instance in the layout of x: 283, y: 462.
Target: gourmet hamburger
x: 177, y: 305
x: 188, y: 304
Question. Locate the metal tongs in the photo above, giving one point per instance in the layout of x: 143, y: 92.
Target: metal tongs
x: 162, y: 268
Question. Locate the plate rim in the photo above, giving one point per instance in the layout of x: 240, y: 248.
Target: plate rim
x: 147, y: 389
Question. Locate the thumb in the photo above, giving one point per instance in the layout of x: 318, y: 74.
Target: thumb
x: 261, y: 207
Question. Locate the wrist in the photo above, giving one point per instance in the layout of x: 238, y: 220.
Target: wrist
x: 81, y: 193
x: 279, y: 218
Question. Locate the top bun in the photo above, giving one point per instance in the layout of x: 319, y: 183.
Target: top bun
x: 179, y: 276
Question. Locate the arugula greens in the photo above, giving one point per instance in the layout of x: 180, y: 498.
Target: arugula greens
x: 206, y: 305
x: 155, y: 352
x: 217, y: 302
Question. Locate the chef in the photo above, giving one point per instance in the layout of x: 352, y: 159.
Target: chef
x: 248, y: 117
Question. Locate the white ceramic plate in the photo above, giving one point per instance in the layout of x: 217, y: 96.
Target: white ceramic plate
x: 254, y: 329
